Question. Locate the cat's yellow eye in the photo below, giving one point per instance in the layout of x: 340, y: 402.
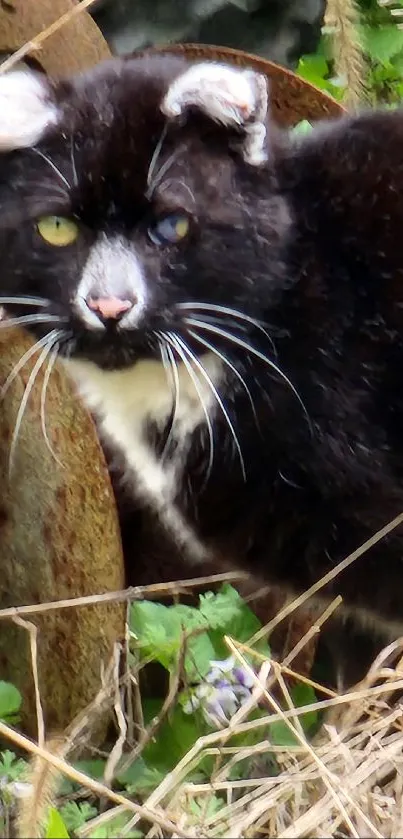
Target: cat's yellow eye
x: 169, y: 229
x: 58, y: 231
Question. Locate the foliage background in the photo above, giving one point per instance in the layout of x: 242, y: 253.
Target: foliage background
x: 360, y: 54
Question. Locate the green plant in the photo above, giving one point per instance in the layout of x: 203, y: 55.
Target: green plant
x: 10, y: 702
x: 207, y: 688
x: 215, y: 685
x: 376, y: 31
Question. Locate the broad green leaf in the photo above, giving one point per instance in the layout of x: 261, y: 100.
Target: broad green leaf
x: 221, y: 608
x: 313, y: 68
x: 189, y: 616
x: 281, y: 735
x: 200, y: 651
x: 174, y: 738
x: 10, y: 700
x: 158, y: 630
x: 382, y: 43
x: 228, y: 612
x: 56, y: 828
x: 316, y: 70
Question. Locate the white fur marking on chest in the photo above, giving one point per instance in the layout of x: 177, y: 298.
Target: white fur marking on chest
x: 124, y: 401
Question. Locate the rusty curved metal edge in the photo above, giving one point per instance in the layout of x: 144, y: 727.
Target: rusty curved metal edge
x: 76, y: 46
x: 59, y: 538
x: 292, y: 98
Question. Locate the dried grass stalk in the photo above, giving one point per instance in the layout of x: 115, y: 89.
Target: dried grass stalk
x: 342, y: 18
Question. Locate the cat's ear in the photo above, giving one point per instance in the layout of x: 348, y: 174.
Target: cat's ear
x: 236, y: 98
x: 26, y: 109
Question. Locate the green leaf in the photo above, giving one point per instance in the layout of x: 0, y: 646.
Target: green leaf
x: 114, y: 829
x: 201, y: 811
x: 200, y: 652
x: 11, y: 767
x: 382, y: 43
x: 158, y: 629
x: 301, y: 695
x: 227, y: 612
x: 281, y: 735
x: 221, y: 608
x: 175, y: 737
x: 140, y: 778
x: 279, y: 732
x: 303, y: 127
x: 151, y: 708
x: 10, y: 700
x: 56, y: 828
x: 313, y: 68
x: 316, y: 70
x: 190, y: 617
x: 75, y: 815
x: 94, y: 768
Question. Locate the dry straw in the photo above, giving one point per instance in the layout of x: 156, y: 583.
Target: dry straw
x: 342, y: 18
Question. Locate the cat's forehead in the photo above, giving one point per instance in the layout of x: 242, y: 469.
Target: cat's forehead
x: 113, y: 114
x: 114, y: 131
x: 119, y: 92
x: 115, y: 136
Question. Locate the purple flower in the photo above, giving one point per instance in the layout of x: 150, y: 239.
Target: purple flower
x: 225, y: 689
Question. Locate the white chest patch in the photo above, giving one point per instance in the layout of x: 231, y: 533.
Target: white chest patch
x: 124, y: 401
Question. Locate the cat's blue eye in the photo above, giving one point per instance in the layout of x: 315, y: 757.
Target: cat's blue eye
x: 169, y: 229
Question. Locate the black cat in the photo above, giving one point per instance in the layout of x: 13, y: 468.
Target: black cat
x: 230, y: 303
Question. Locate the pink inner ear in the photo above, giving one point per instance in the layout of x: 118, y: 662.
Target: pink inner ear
x: 229, y: 96
x: 213, y: 88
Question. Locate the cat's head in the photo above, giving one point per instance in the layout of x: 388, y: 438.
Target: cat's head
x: 132, y: 196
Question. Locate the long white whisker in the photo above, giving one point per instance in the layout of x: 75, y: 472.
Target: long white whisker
x: 217, y: 396
x: 55, y: 333
x: 23, y: 404
x: 172, y: 339
x: 155, y: 156
x: 53, y: 165
x: 171, y: 370
x: 226, y: 361
x: 226, y: 310
x: 24, y: 319
x: 244, y: 345
x: 73, y: 161
x: 23, y: 300
x: 162, y: 171
x: 49, y: 368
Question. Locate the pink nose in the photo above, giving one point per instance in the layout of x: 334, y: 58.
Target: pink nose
x: 109, y: 308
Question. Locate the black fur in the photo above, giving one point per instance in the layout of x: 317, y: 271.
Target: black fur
x: 312, y: 245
